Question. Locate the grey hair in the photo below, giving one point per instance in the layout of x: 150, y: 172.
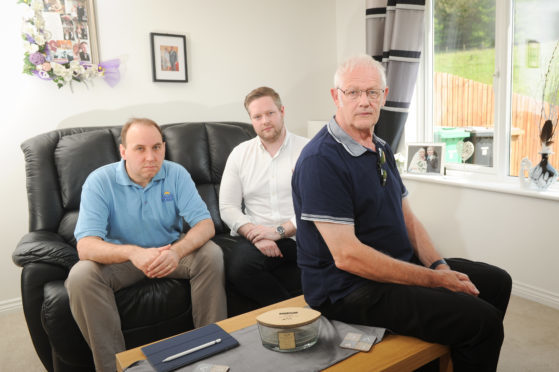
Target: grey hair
x: 361, y: 60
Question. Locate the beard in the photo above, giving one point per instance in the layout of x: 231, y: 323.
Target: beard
x: 270, y: 134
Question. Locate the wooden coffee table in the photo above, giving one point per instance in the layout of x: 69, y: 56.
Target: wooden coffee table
x: 394, y: 354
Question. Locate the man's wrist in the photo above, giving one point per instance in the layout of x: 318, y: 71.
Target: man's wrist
x: 244, y: 229
x: 176, y: 250
x: 435, y: 264
x: 281, y: 231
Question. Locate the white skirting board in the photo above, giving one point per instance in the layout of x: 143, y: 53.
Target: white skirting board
x: 11, y: 305
x: 535, y: 294
x: 518, y: 289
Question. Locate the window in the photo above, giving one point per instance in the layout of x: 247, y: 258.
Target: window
x: 534, y: 43
x: 483, y: 84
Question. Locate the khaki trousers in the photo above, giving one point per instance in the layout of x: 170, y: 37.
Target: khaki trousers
x: 91, y: 288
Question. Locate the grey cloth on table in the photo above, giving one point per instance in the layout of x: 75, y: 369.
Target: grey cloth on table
x: 250, y: 355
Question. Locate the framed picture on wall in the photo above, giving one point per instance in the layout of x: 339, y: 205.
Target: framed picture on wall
x: 168, y: 58
x: 426, y: 158
x: 71, y: 27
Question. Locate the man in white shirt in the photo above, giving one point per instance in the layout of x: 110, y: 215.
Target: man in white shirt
x: 255, y: 200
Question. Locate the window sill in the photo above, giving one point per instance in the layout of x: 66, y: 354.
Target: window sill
x: 510, y: 185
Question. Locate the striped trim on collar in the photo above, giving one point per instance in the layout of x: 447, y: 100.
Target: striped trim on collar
x: 350, y: 145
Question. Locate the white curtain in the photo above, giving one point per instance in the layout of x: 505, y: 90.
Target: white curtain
x: 395, y: 38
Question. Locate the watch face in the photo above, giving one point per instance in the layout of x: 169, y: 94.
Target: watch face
x: 280, y: 230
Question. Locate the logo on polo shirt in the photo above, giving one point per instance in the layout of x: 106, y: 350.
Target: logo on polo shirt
x: 167, y: 196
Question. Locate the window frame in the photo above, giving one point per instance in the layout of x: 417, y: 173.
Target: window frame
x: 419, y: 127
x: 502, y: 86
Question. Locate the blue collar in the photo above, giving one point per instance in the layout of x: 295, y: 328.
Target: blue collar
x: 122, y: 177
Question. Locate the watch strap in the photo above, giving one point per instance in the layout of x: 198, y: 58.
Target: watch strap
x: 281, y: 231
x: 437, y: 263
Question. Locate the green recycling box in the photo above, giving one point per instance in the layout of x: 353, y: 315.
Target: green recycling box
x: 451, y: 136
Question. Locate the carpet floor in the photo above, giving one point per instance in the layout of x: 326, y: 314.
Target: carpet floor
x: 531, y: 340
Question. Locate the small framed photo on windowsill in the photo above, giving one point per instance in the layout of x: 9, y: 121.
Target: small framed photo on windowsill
x: 168, y: 58
x: 425, y: 158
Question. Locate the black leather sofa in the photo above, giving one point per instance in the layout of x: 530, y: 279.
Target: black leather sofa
x: 57, y: 164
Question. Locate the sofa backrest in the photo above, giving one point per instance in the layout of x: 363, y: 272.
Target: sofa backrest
x: 58, y: 162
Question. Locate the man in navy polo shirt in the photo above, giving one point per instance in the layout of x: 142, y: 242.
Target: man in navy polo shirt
x: 365, y: 258
x: 130, y: 227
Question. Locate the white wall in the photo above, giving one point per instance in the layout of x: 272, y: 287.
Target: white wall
x: 350, y: 28
x: 517, y: 233
x: 291, y: 45
x: 233, y: 47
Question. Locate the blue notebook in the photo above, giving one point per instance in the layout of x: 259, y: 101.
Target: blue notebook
x: 157, y: 352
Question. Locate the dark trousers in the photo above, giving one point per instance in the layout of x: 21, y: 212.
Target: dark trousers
x: 472, y: 326
x: 250, y: 271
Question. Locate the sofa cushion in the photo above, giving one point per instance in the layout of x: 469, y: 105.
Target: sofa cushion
x: 222, y: 139
x: 209, y: 195
x: 78, y: 155
x: 153, y: 300
x: 187, y: 144
x: 67, y: 227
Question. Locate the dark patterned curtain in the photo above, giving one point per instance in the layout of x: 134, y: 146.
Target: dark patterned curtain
x: 395, y: 38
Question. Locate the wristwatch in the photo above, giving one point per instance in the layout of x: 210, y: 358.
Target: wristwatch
x: 437, y: 263
x: 281, y: 231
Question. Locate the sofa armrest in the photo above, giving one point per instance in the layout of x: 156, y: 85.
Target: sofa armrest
x: 44, y: 247
x: 34, y: 276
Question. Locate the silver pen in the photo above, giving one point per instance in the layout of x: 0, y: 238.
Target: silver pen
x: 190, y: 351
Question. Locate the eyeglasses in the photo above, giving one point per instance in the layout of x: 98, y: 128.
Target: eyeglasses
x: 382, y: 173
x: 355, y: 94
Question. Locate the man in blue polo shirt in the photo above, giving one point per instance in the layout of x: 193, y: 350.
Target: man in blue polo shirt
x: 129, y: 227
x: 365, y: 258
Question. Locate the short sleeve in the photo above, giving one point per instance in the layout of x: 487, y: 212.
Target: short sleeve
x: 93, y: 218
x: 189, y: 204
x: 324, y: 191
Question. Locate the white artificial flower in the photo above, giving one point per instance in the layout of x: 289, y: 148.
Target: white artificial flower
x: 39, y: 22
x: 61, y: 71
x: 39, y: 39
x: 89, y: 73
x: 37, y: 5
x: 76, y: 69
x: 28, y: 28
x: 58, y: 69
x: 44, y: 74
x: 67, y: 76
x: 30, y: 47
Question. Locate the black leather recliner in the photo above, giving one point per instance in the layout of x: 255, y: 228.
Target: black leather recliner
x: 57, y: 164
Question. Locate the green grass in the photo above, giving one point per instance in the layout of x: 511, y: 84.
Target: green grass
x: 476, y: 64
x: 479, y: 65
